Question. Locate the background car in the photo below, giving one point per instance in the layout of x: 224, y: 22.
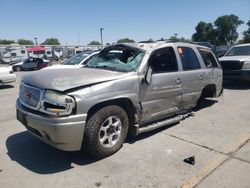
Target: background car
x: 236, y: 63
x: 81, y: 59
x: 17, y: 66
x: 31, y: 63
x: 6, y: 75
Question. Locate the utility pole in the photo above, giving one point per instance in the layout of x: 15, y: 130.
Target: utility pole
x: 101, y: 29
x: 78, y: 38
x: 35, y: 40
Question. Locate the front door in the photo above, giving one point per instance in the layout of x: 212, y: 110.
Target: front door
x: 161, y: 97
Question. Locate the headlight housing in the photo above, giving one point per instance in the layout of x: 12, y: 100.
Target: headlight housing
x: 246, y: 65
x: 56, y: 103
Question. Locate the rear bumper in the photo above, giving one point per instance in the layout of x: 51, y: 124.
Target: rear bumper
x: 8, y: 79
x: 64, y: 133
x: 236, y: 75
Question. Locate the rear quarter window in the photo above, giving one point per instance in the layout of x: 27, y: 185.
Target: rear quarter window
x: 208, y: 58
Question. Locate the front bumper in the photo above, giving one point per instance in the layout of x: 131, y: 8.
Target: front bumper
x: 64, y: 133
x: 236, y: 75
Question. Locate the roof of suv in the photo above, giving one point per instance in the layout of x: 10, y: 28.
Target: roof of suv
x: 149, y: 47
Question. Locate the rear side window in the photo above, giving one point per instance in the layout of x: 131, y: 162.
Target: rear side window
x: 163, y: 60
x: 189, y: 59
x: 13, y: 54
x: 208, y: 58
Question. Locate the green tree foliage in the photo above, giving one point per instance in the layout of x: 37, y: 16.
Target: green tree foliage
x: 177, y: 39
x: 25, y: 42
x: 204, y: 32
x: 93, y: 42
x: 125, y: 40
x: 226, y: 29
x: 222, y: 32
x: 6, y: 42
x: 51, y: 41
x: 246, y: 34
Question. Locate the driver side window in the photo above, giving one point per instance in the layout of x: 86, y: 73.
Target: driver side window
x: 163, y: 60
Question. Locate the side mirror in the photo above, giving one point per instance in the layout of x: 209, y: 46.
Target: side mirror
x: 220, y: 55
x: 148, y: 75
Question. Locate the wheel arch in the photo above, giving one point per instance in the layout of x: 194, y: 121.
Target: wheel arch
x: 209, y: 91
x: 124, y: 103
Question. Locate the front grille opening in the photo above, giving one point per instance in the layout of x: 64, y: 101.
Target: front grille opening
x: 231, y: 65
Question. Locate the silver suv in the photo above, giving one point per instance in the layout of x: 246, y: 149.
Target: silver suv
x: 126, y: 88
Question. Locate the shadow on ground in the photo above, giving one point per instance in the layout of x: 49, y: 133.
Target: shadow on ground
x: 41, y: 158
x: 6, y: 86
x: 204, y: 103
x: 236, y: 85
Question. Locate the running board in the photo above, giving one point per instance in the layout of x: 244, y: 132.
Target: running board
x: 156, y: 125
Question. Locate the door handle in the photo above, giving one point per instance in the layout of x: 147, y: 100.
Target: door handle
x: 201, y: 76
x: 178, y: 80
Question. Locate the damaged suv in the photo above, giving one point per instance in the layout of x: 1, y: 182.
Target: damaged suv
x: 126, y: 88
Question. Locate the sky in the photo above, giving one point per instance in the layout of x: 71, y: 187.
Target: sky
x: 135, y: 19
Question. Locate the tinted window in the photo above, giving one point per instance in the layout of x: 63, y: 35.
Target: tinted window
x: 208, y: 58
x: 188, y: 58
x: 239, y: 50
x: 163, y: 60
x: 13, y: 54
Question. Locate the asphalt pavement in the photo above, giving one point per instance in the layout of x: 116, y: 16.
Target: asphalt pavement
x: 217, y: 136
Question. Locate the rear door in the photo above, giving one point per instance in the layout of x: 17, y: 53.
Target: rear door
x: 193, y: 76
x: 162, y: 96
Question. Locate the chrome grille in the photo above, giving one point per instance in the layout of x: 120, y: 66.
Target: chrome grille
x: 30, y: 96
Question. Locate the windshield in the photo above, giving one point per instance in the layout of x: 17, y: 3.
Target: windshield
x: 117, y: 58
x: 240, y: 50
x: 75, y: 60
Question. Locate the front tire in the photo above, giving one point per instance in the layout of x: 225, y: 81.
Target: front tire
x: 106, y: 131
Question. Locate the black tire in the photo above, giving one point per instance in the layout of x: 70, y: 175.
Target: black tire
x: 92, y: 142
x: 18, y: 68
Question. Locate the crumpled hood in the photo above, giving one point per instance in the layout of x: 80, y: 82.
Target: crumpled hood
x: 64, y: 79
x: 235, y: 58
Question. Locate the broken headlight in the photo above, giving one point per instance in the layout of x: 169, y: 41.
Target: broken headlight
x: 56, y: 103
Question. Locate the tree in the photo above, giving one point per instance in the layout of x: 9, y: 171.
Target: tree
x: 25, y: 42
x: 226, y: 29
x: 175, y: 38
x: 51, y: 41
x: 93, y: 42
x: 6, y: 42
x: 204, y: 32
x: 246, y: 34
x: 125, y: 40
x: 108, y: 44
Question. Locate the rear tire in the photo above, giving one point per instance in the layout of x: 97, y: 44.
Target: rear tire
x: 18, y: 68
x: 106, y: 131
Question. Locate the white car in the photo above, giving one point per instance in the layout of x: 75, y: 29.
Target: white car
x: 78, y: 60
x: 6, y: 75
x: 236, y: 63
